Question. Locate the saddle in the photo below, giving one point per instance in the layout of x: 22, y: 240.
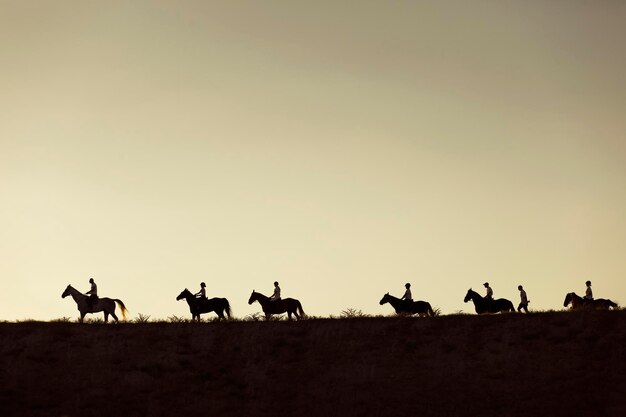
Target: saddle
x: 92, y: 300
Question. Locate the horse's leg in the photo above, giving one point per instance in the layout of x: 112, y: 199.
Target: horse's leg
x: 114, y: 316
x: 82, y: 316
x: 106, y: 317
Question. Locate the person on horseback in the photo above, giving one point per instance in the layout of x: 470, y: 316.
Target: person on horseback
x: 201, y: 295
x: 407, y: 297
x: 276, y: 295
x: 489, y: 295
x: 93, y: 293
x: 588, y: 292
x: 202, y: 292
x: 523, y: 300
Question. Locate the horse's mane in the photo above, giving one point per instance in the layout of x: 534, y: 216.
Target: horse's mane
x: 260, y: 294
x: 69, y: 286
x: 475, y: 293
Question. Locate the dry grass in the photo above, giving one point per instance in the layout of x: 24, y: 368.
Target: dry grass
x: 556, y: 364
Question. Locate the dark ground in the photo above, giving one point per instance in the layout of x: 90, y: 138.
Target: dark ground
x: 543, y: 364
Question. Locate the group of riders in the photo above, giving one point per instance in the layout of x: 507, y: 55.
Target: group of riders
x: 201, y: 295
x: 407, y: 297
x: 524, y: 301
x: 523, y: 305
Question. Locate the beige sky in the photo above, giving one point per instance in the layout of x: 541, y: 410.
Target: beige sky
x: 341, y: 148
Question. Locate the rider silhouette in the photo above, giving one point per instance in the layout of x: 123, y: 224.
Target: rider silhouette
x: 201, y: 295
x: 407, y: 297
x: 202, y: 292
x: 489, y: 295
x: 276, y: 295
x: 588, y: 292
x: 93, y: 293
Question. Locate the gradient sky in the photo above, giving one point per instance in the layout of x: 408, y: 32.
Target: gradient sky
x: 341, y: 148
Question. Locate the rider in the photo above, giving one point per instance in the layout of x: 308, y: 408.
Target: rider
x: 276, y: 295
x: 202, y: 293
x: 489, y: 295
x: 93, y: 293
x: 588, y: 292
x: 523, y: 300
x: 407, y: 297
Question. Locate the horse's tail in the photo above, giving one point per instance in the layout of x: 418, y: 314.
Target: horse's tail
x: 122, y: 307
x: 227, y: 308
x: 300, y: 310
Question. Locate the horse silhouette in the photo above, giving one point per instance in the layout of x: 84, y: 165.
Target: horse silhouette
x: 583, y: 303
x: 482, y: 305
x: 285, y: 305
x: 107, y: 305
x: 199, y: 306
x: 421, y: 308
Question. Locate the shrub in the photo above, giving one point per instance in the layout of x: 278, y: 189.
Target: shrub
x: 61, y: 320
x: 177, y: 319
x: 258, y: 316
x: 141, y: 319
x: 351, y: 313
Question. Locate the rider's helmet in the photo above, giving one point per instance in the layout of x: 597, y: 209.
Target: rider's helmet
x: 519, y: 287
x: 486, y: 284
x: 276, y: 283
x: 407, y: 285
x: 202, y: 284
x: 588, y: 283
x: 91, y: 280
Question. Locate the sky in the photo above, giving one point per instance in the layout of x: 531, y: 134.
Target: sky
x: 341, y: 148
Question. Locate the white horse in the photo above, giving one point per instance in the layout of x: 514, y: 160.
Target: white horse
x: 102, y: 304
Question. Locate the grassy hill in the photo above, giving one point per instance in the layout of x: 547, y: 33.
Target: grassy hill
x: 542, y: 364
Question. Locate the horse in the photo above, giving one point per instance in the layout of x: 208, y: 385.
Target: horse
x: 488, y: 306
x: 286, y: 305
x: 421, y: 308
x: 107, y: 305
x: 199, y: 306
x: 582, y: 303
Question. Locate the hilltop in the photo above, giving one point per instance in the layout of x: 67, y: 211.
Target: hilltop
x: 552, y: 364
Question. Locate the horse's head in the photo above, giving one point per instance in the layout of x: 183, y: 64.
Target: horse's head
x: 253, y: 297
x: 469, y: 295
x: 568, y: 299
x: 66, y: 292
x: 385, y: 299
x: 183, y: 295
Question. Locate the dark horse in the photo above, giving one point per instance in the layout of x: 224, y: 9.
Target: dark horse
x: 421, y: 308
x: 582, y: 303
x: 106, y: 305
x: 488, y: 306
x: 199, y: 306
x: 286, y: 305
